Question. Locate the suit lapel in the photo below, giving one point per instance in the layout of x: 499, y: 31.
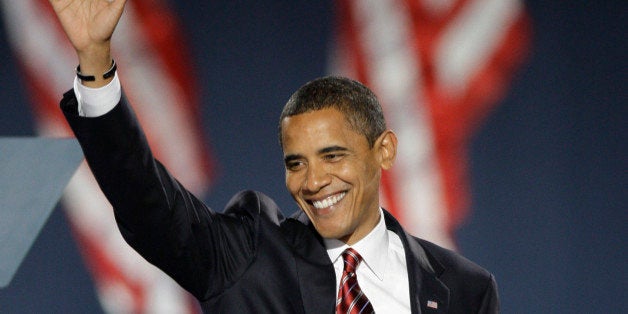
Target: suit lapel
x: 316, y: 276
x: 433, y: 295
x: 427, y: 293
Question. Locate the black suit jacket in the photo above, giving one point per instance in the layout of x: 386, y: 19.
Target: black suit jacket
x: 250, y: 258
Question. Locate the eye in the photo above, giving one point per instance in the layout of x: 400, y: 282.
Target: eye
x: 294, y: 165
x: 333, y: 157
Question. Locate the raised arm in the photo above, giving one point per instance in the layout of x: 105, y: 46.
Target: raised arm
x: 171, y: 228
x: 89, y: 25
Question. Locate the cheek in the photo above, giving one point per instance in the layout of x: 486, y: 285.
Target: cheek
x: 361, y: 173
x: 292, y: 183
x: 367, y: 179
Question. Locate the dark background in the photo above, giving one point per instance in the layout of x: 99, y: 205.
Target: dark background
x: 548, y: 168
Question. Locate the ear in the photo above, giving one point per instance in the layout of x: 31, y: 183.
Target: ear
x: 386, y: 146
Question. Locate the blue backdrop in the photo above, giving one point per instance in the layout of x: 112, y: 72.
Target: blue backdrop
x: 548, y: 168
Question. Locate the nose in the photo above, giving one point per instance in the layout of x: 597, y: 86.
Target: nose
x: 317, y: 177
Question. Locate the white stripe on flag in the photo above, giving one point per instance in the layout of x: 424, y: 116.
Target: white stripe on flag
x: 468, y: 42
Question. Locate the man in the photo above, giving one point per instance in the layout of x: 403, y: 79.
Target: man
x: 342, y: 253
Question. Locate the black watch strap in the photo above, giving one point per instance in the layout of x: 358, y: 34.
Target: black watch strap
x: 91, y: 78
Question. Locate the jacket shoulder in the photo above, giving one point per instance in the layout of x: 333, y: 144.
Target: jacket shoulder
x: 469, y: 284
x: 254, y: 204
x: 445, y: 259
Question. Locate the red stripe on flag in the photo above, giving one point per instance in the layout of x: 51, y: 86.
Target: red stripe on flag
x: 106, y: 271
x: 162, y: 30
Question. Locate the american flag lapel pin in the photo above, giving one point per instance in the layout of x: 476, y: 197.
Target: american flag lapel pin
x: 432, y: 304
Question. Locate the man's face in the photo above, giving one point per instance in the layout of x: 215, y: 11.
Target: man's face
x: 332, y: 173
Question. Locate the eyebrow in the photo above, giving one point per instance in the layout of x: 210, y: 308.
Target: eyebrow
x: 326, y: 150
x: 331, y: 149
x: 290, y: 158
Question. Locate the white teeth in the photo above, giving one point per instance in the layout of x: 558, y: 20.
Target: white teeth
x: 328, y: 201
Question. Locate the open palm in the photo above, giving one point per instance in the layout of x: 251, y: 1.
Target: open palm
x: 88, y: 23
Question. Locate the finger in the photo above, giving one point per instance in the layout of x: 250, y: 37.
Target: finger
x: 119, y: 4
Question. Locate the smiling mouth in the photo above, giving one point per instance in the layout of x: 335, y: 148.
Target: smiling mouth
x: 329, y: 201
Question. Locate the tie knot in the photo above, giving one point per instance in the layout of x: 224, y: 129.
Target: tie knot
x: 351, y: 259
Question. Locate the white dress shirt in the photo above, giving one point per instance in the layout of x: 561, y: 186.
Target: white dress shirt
x: 382, y: 275
x: 95, y: 102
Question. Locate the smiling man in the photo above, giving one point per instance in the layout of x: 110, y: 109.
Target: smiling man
x: 332, y: 168
x: 341, y: 253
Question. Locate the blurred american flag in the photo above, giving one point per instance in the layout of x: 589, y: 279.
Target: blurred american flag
x: 438, y: 67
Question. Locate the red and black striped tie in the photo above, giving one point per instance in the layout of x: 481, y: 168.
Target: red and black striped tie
x: 351, y: 299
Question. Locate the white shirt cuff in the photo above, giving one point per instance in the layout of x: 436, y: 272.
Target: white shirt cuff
x: 95, y: 102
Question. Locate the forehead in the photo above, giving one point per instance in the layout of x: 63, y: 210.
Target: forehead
x: 317, y: 128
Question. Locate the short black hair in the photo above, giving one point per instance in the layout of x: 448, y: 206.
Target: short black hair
x: 357, y: 103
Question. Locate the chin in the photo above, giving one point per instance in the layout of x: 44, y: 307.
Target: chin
x: 330, y: 232
x: 324, y: 232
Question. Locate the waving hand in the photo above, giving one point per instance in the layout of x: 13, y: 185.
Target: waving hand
x: 89, y: 24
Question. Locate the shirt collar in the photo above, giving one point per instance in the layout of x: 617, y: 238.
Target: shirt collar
x: 373, y: 248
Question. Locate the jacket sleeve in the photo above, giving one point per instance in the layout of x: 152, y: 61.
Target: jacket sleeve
x: 171, y: 228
